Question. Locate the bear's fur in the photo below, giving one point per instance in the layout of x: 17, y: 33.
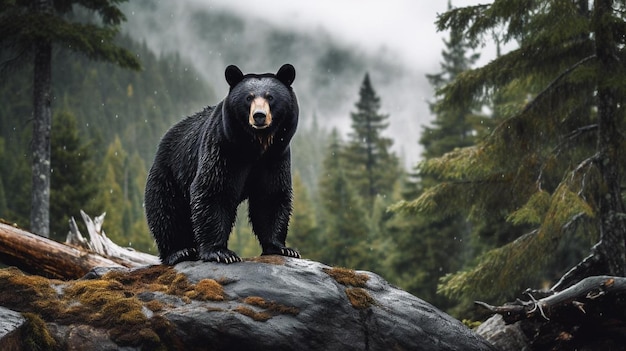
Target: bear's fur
x: 208, y: 163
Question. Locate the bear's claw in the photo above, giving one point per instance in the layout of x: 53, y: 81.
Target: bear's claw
x: 285, y: 251
x: 280, y: 250
x: 220, y: 255
x: 180, y: 256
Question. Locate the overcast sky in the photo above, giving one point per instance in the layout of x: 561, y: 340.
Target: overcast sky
x: 401, y: 30
x: 372, y: 24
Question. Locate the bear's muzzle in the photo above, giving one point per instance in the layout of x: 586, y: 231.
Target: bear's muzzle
x: 260, y: 113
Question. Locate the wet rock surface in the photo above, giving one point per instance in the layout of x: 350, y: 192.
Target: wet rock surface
x: 10, y: 324
x: 266, y: 303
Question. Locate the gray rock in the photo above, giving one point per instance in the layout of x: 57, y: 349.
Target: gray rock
x: 504, y: 337
x: 10, y: 324
x: 267, y: 303
x: 314, y: 312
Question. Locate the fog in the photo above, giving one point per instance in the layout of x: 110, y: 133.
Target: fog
x: 332, y: 44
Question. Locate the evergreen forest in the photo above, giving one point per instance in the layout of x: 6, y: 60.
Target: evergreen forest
x: 520, y: 178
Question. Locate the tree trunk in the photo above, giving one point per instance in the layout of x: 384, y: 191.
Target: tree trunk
x: 612, y: 245
x: 42, y: 124
x: 37, y: 255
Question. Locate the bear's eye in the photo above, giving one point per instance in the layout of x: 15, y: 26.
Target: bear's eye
x: 249, y: 98
x: 269, y: 97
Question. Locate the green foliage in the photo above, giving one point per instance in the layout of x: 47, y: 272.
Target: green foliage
x: 20, y: 26
x: 120, y: 192
x: 107, y: 102
x: 431, y: 237
x: 545, y: 164
x: 370, y: 165
x: 307, y: 153
x: 532, y: 251
x: 32, y: 28
x: 344, y: 217
x: 303, y: 227
x: 74, y: 180
x: 242, y: 239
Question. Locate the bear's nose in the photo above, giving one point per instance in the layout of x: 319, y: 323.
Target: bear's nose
x: 259, y: 118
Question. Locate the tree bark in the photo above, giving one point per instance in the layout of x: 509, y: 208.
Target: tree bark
x: 612, y: 245
x: 38, y: 255
x: 42, y: 125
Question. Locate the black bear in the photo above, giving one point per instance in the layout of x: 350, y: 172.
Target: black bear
x: 208, y: 163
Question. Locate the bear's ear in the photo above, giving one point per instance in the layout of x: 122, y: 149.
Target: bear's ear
x: 286, y: 74
x: 233, y: 75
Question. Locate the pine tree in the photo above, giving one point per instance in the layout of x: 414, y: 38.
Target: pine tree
x: 430, y: 246
x: 307, y: 153
x: 454, y: 126
x: 372, y: 167
x: 554, y: 163
x: 113, y: 192
x: 303, y: 230
x: 344, y: 220
x: 74, y: 183
x: 33, y: 27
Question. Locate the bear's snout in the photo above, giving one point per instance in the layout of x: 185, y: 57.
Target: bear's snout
x: 260, y: 113
x: 259, y: 117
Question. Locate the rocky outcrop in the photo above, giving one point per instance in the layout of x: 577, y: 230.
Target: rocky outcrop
x: 11, y: 323
x: 267, y: 303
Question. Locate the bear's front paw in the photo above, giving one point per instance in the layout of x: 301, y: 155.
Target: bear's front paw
x: 220, y: 255
x: 280, y: 250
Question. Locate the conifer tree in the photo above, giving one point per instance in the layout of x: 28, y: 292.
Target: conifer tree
x: 372, y: 167
x: 429, y: 246
x: 242, y: 239
x: 32, y: 28
x: 344, y: 221
x: 554, y: 163
x: 74, y: 183
x: 303, y: 229
x: 113, y: 193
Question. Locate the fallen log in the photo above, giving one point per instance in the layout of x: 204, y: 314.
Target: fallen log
x: 589, y: 315
x: 38, y: 255
x: 576, y: 296
x: 99, y: 243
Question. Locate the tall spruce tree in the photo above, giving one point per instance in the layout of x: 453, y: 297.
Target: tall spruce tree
x: 344, y: 220
x: 32, y: 28
x: 554, y: 163
x: 303, y: 229
x: 74, y: 183
x: 431, y: 246
x: 372, y: 167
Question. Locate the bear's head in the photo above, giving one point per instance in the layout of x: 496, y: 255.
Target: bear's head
x: 264, y: 104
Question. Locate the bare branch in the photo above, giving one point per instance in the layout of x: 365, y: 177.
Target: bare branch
x: 588, y: 289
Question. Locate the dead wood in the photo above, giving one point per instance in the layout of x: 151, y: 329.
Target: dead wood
x: 576, y: 296
x: 39, y: 255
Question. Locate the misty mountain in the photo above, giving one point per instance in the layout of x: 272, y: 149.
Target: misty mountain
x: 329, y: 72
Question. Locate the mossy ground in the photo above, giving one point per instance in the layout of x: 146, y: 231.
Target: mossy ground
x: 269, y: 309
x: 347, y: 276
x: 269, y: 259
x: 355, y: 283
x: 109, y: 303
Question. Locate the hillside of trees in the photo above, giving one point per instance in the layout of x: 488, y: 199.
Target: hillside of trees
x: 520, y: 180
x: 106, y: 124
